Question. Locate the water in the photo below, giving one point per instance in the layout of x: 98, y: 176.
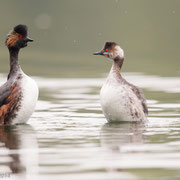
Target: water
x: 68, y: 137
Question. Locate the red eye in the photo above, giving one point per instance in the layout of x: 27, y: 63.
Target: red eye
x: 20, y: 36
x: 106, y: 50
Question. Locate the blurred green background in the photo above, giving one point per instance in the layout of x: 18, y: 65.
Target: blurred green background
x: 67, y: 32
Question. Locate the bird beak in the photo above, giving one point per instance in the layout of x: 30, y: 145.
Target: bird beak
x: 29, y: 39
x: 99, y: 53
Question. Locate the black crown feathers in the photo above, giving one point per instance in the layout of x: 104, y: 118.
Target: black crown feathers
x: 21, y: 29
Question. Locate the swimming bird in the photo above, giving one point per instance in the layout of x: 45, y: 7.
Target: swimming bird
x: 18, y: 96
x: 120, y: 100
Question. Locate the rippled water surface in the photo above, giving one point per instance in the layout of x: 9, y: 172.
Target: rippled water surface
x: 68, y: 137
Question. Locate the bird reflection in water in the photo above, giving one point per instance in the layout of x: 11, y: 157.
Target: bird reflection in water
x: 114, y: 135
x: 18, y: 146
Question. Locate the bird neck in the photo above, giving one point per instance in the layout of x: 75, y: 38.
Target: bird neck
x: 117, y: 64
x: 14, y: 64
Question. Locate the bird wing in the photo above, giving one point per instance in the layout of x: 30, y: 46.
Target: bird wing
x: 141, y: 97
x: 9, y: 96
x: 138, y: 92
x: 4, y: 93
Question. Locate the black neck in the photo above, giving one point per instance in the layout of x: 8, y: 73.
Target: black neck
x: 14, y: 64
x: 118, y: 62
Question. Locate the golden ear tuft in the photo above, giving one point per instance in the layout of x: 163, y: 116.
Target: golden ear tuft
x: 12, y: 39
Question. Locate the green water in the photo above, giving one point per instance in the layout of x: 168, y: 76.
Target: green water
x: 68, y: 137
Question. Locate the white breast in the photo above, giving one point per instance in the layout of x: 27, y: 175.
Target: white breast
x: 119, y: 103
x: 29, y: 99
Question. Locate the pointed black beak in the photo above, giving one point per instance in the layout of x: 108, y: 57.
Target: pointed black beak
x: 99, y: 53
x: 29, y: 39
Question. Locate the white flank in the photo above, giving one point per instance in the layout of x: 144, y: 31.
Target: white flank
x: 30, y: 94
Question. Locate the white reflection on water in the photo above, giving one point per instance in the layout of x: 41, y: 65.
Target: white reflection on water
x: 19, y: 152
x: 74, y: 141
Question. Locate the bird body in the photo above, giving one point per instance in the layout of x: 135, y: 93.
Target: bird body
x: 27, y: 99
x: 118, y: 100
